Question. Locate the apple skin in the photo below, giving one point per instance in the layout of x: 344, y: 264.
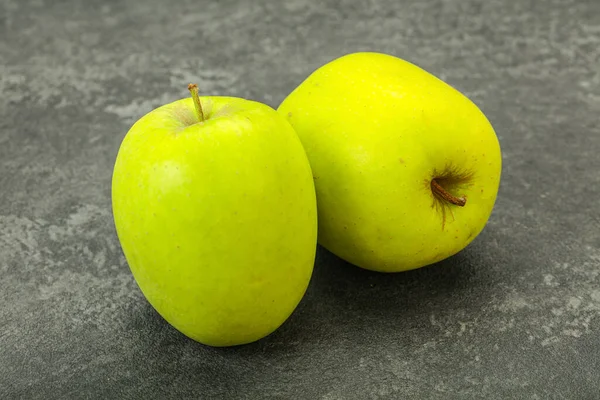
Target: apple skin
x: 217, y: 219
x: 377, y: 130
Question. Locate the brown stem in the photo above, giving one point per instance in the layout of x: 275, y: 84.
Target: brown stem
x: 441, y: 192
x: 193, y: 88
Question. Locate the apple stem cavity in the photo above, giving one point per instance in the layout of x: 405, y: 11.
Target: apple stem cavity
x: 193, y: 88
x: 439, y: 191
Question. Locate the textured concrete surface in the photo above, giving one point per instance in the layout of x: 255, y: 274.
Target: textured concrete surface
x: 515, y: 315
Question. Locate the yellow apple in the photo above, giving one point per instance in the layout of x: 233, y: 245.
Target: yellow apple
x: 215, y: 209
x: 406, y: 168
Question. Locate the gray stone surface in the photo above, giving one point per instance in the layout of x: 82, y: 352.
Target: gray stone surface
x: 515, y: 315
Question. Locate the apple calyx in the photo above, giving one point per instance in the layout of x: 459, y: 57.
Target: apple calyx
x: 440, y: 192
x: 193, y: 88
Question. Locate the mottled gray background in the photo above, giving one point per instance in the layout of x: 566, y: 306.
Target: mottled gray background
x: 515, y: 315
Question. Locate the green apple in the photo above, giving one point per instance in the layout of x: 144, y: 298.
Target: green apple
x: 215, y: 209
x: 406, y: 168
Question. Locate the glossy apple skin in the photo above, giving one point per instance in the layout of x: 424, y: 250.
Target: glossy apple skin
x: 377, y: 129
x: 217, y: 220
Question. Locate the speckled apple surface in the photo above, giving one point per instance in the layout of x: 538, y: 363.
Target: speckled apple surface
x: 515, y: 315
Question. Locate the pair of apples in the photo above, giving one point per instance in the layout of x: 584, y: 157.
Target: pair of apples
x: 216, y: 199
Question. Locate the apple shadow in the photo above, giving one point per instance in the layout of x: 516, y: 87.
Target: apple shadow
x: 344, y: 299
x: 367, y: 291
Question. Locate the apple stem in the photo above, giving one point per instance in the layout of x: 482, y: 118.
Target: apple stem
x: 193, y: 88
x: 438, y: 190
